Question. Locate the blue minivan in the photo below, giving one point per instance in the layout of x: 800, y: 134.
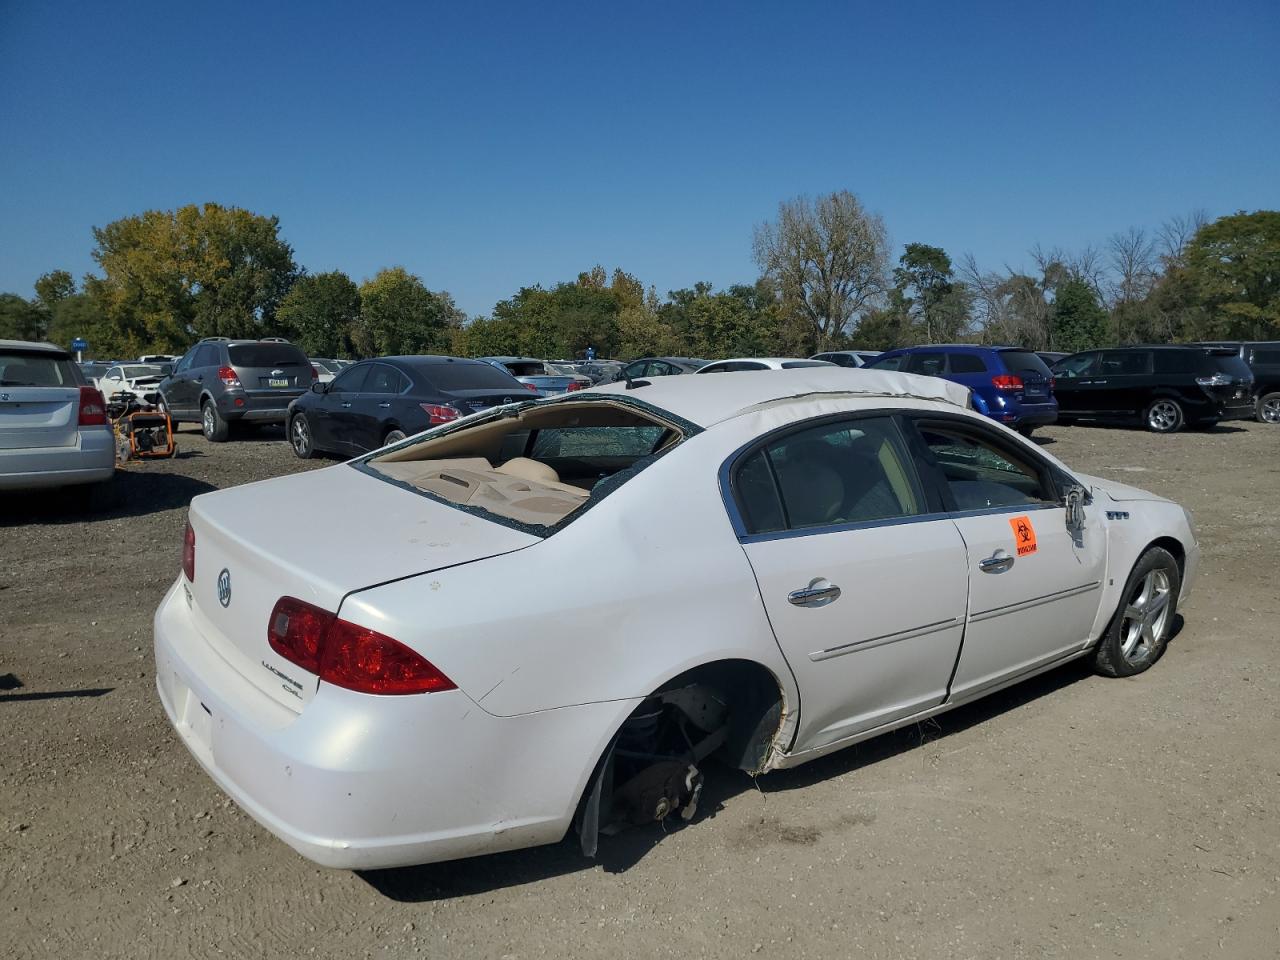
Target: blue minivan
x: 1008, y: 384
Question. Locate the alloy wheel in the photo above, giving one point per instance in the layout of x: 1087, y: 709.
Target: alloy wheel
x: 207, y: 421
x: 1163, y: 416
x: 1271, y: 409
x: 1145, y: 616
x: 300, y: 434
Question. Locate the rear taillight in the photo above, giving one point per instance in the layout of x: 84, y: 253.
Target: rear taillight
x: 189, y: 553
x: 297, y: 630
x: 440, y: 413
x: 530, y: 386
x: 315, y: 372
x: 348, y: 655
x: 93, y: 409
x: 1053, y: 383
x: 1006, y: 381
x: 573, y: 385
x: 228, y: 377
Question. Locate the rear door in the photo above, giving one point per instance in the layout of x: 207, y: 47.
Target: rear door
x: 39, y: 400
x: 1033, y: 585
x: 864, y: 585
x: 1124, y: 383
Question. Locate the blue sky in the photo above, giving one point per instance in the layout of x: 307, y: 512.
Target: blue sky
x: 489, y: 146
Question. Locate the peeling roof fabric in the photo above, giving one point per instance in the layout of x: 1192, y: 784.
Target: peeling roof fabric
x: 711, y: 399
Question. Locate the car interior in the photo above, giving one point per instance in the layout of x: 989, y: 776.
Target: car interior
x: 535, y: 465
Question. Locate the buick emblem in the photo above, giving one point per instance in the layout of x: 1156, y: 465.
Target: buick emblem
x: 224, y: 587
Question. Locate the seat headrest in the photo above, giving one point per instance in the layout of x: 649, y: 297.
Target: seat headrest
x: 813, y: 492
x: 527, y: 469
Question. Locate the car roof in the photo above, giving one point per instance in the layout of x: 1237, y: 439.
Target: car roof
x: 708, y: 400
x: 31, y: 345
x: 760, y: 359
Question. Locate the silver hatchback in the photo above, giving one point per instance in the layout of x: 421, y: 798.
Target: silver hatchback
x: 53, y: 426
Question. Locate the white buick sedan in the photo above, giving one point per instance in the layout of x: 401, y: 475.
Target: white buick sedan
x: 554, y: 615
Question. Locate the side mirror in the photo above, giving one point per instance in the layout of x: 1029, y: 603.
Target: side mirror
x: 1074, y: 502
x: 318, y: 387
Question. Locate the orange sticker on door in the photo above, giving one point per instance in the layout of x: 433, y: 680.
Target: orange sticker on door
x: 1024, y: 535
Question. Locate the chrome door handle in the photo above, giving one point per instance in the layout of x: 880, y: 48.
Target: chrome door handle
x: 384, y: 406
x: 998, y: 562
x: 818, y: 593
x: 348, y: 404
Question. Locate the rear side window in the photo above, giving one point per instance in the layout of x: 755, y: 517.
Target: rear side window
x: 266, y: 355
x: 469, y: 376
x: 1024, y: 361
x: 967, y: 363
x: 849, y: 471
x: 1174, y: 361
x: 929, y: 364
x: 1230, y: 364
x: 384, y: 379
x: 20, y: 368
x: 588, y: 442
x: 1266, y: 356
x: 1120, y: 363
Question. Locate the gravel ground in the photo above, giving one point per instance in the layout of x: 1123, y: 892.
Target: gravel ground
x: 1072, y: 816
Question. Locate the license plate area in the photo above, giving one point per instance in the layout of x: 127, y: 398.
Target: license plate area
x: 195, y: 720
x: 277, y: 382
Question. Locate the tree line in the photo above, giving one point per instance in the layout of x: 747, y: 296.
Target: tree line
x: 826, y: 281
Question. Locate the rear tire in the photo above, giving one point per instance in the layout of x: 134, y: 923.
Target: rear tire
x: 1164, y: 416
x: 1139, y: 631
x: 393, y: 436
x: 1268, y: 410
x: 301, y: 438
x: 216, y: 430
x: 1027, y: 431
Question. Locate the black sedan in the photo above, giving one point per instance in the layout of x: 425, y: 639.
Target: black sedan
x: 376, y: 402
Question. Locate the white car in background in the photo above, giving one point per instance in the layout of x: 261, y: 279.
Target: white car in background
x: 325, y: 368
x: 743, y: 364
x: 773, y: 568
x: 139, y: 379
x: 53, y: 425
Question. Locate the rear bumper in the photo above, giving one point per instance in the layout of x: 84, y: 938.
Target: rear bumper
x: 91, y: 460
x: 1245, y: 412
x: 273, y: 408
x: 358, y: 781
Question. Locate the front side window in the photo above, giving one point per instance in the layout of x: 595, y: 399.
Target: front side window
x: 1264, y: 357
x: 848, y: 471
x: 350, y: 381
x: 1080, y: 365
x: 979, y: 472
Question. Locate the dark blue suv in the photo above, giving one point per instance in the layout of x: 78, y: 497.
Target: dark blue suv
x: 1009, y: 384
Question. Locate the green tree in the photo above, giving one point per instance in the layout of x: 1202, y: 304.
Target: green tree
x: 399, y: 315
x: 938, y: 306
x: 172, y: 276
x: 80, y: 315
x: 1233, y: 266
x: 53, y: 287
x: 20, y: 319
x: 827, y: 259
x: 1079, y: 321
x: 320, y: 313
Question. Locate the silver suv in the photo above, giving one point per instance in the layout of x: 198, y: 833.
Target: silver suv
x: 53, y: 425
x: 220, y: 382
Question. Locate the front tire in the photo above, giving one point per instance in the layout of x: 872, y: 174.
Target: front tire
x: 1139, y: 631
x: 300, y: 437
x: 1269, y: 408
x: 215, y: 429
x: 1164, y: 416
x: 393, y: 436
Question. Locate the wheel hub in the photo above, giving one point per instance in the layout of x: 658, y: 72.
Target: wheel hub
x: 1145, y: 616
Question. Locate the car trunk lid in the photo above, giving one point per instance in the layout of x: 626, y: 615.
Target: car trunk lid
x: 472, y: 400
x: 253, y: 546
x: 39, y: 417
x: 270, y: 368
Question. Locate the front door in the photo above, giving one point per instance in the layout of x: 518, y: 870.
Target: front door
x: 864, y: 589
x: 1123, y: 383
x: 332, y: 418
x: 1034, y: 585
x: 1074, y: 387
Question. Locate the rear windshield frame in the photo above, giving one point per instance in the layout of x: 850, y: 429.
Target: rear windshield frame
x: 296, y: 357
x: 70, y: 373
x: 503, y: 379
x: 1039, y: 366
x: 601, y: 490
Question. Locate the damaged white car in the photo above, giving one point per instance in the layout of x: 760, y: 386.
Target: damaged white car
x: 765, y: 569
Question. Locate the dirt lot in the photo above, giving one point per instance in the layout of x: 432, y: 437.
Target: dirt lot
x: 1070, y: 817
